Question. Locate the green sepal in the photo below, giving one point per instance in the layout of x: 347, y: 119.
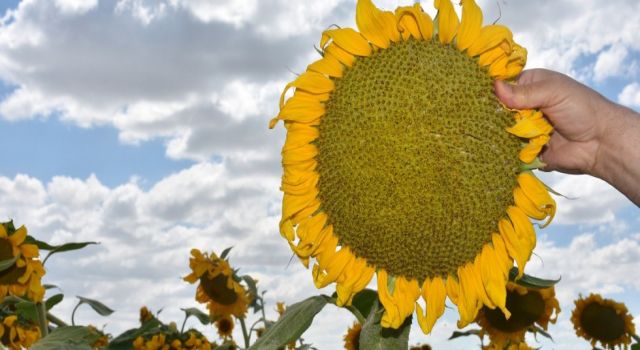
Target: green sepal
x: 535, y: 164
x: 374, y: 336
x: 225, y: 252
x: 531, y: 281
x: 295, y: 321
x: 28, y: 310
x: 535, y: 329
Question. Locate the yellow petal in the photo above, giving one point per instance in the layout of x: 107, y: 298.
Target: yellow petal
x: 447, y: 21
x: 18, y: 236
x: 528, y: 207
x: 490, y: 37
x: 529, y: 152
x: 379, y: 27
x: 391, y: 312
x: 339, y: 54
x: 530, y: 127
x: 538, y: 194
x: 494, y: 279
x: 328, y: 65
x: 470, y: 26
x: 410, y: 17
x: 434, y: 294
x: 490, y: 56
x: 301, y: 110
x: 468, y: 303
x: 348, y: 39
x: 515, y: 247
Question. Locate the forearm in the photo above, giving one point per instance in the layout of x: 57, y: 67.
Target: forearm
x: 618, y: 157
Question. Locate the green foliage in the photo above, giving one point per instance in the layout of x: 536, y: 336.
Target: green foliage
x: 530, y: 281
x: 458, y: 334
x: 201, y: 316
x: 373, y: 336
x: 97, y: 306
x: 225, y: 253
x: 67, y: 338
x: 295, y: 321
x: 53, y: 301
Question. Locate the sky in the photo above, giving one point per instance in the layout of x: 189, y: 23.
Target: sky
x: 143, y: 125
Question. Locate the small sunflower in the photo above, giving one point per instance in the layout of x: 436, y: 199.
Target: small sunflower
x: 145, y: 315
x: 24, y: 277
x: 352, y: 338
x: 421, y: 347
x: 225, y: 325
x: 528, y: 307
x: 17, y: 334
x: 102, y: 339
x: 603, y: 320
x: 192, y: 340
x: 400, y: 161
x: 218, y: 288
x: 518, y: 346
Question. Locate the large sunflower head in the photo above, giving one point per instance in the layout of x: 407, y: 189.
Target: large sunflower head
x: 24, y: 277
x: 218, y: 288
x: 400, y: 161
x: 17, y: 333
x: 528, y: 307
x: 603, y: 320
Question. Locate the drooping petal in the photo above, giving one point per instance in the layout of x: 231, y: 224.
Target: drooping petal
x: 447, y: 21
x: 340, y: 54
x: 348, y: 39
x: 532, y: 125
x: 328, y: 65
x: 490, y: 37
x: 494, y: 278
x: 470, y: 26
x: 434, y: 294
x: 410, y: 17
x: 538, y: 194
x: 515, y: 245
x: 379, y: 27
x: 529, y: 152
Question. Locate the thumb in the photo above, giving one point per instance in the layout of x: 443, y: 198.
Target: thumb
x: 526, y: 96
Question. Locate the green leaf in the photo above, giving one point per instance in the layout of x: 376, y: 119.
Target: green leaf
x: 40, y: 244
x: 373, y: 336
x: 292, y: 324
x: 5, y: 264
x: 458, y: 334
x: 635, y: 337
x: 225, y: 252
x: 124, y: 341
x: 67, y: 247
x: 530, y: 281
x: 97, y: 306
x: 201, y: 316
x: 67, y: 338
x: 28, y: 310
x: 635, y: 346
x: 53, y: 301
x: 50, y: 286
x: 364, y: 300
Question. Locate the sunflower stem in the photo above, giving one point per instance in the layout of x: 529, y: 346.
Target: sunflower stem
x: 244, y: 333
x: 42, y: 319
x: 53, y: 319
x: 183, y: 324
x: 73, y: 314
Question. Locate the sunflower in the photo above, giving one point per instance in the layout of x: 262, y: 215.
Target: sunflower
x: 218, y: 288
x: 17, y: 333
x: 145, y: 315
x: 192, y: 340
x: 400, y: 161
x: 603, y: 320
x: 352, y: 338
x: 25, y: 275
x: 528, y: 307
x: 225, y: 327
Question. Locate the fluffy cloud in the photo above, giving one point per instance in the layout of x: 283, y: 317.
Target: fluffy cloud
x: 630, y: 95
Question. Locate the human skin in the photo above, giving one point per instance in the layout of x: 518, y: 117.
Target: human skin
x: 592, y: 135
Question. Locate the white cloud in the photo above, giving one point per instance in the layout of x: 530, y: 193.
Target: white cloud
x: 610, y: 63
x: 630, y: 95
x: 77, y: 7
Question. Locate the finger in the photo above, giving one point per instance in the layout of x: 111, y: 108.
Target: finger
x: 528, y: 96
x: 532, y: 75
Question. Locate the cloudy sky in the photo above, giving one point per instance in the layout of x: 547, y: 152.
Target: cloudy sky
x: 143, y: 125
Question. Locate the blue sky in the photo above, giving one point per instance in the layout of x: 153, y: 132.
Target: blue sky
x: 142, y: 124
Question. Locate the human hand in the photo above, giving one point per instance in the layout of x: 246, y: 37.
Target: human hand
x: 574, y: 110
x: 592, y: 135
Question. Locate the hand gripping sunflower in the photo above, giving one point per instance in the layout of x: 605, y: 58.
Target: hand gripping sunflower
x: 400, y: 161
